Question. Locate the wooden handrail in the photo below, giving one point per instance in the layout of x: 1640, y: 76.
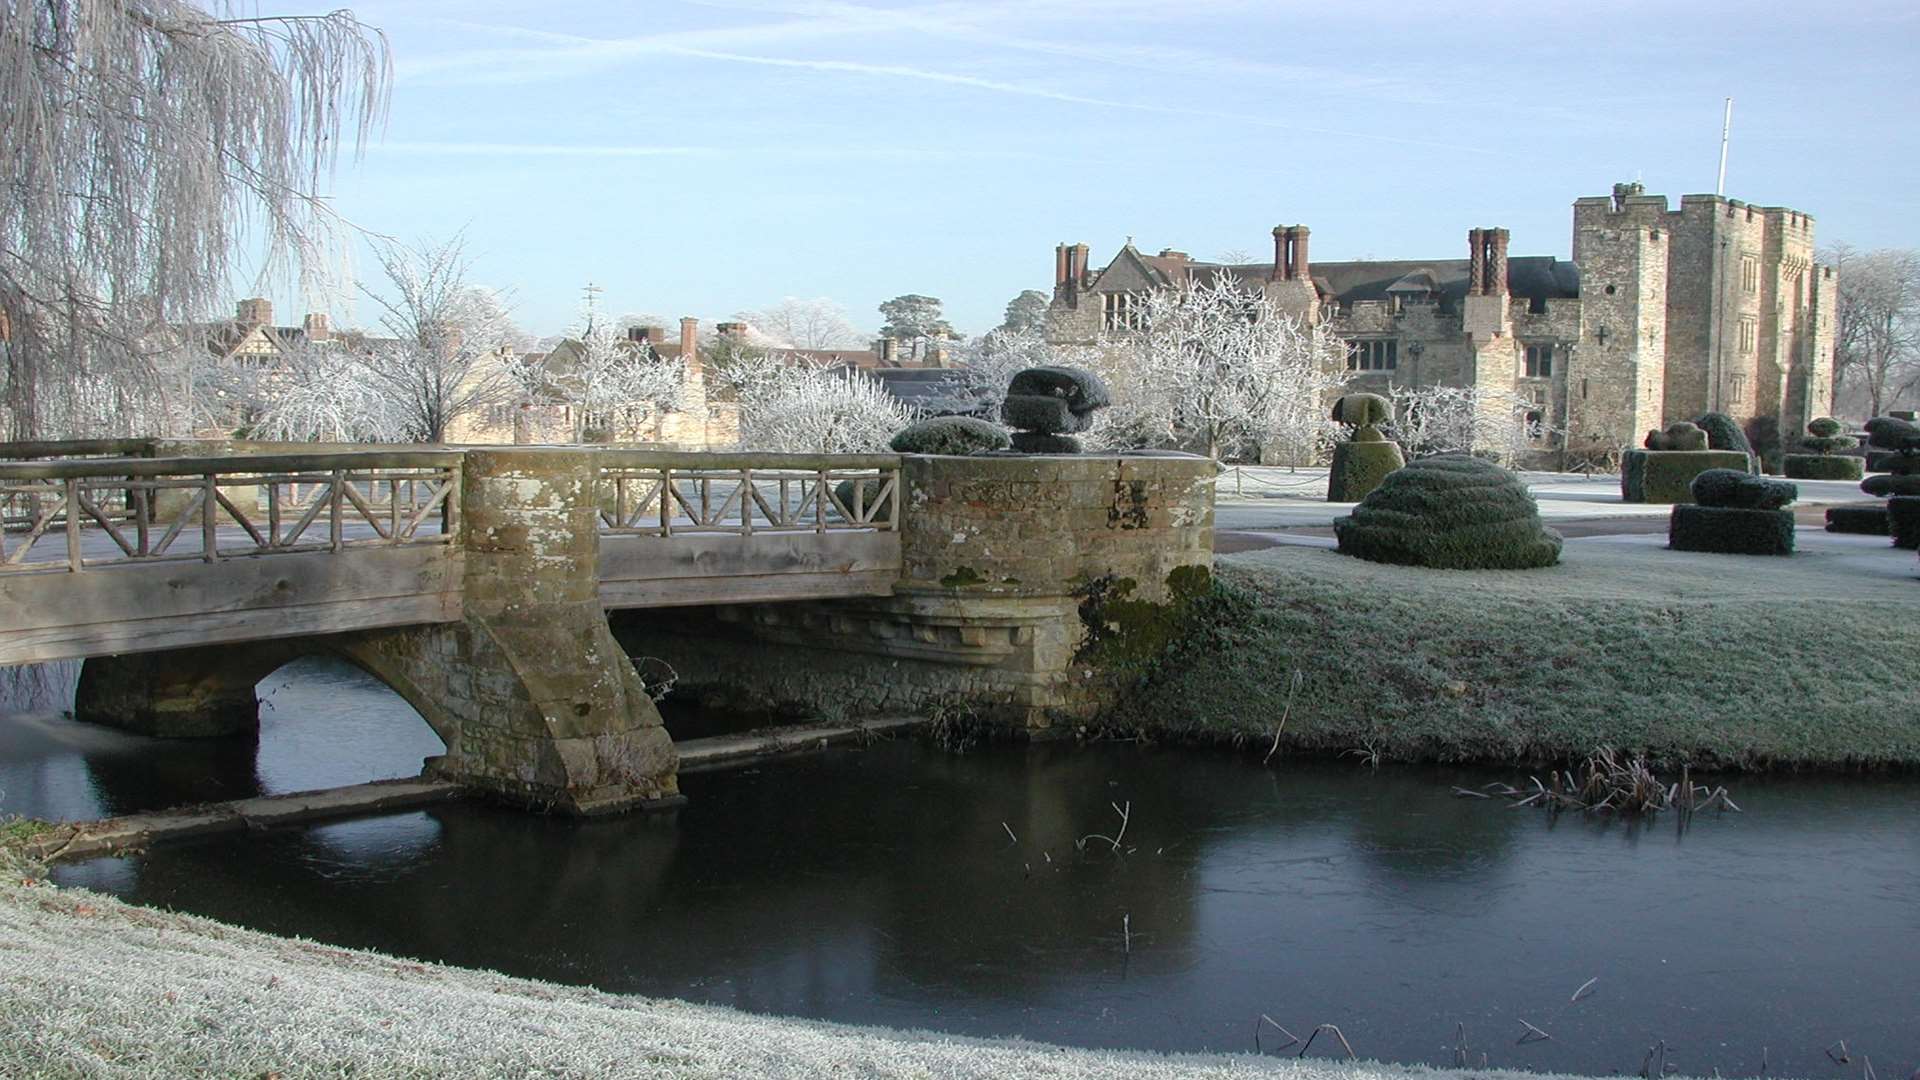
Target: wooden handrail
x: 235, y: 464
x: 60, y: 448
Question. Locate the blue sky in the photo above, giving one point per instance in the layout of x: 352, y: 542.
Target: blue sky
x: 706, y: 157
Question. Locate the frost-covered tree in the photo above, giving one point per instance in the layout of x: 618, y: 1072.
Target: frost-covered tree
x: 795, y: 323
x: 1462, y: 419
x: 1217, y: 368
x: 321, y: 392
x: 1028, y: 311
x: 916, y: 321
x: 1876, y: 327
x: 601, y: 373
x: 448, y: 347
x: 799, y: 408
x: 144, y: 140
x: 989, y: 362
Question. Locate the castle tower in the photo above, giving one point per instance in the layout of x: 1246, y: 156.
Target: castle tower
x: 1616, y: 379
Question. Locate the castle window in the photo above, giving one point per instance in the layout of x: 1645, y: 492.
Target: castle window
x: 1540, y: 361
x: 1121, y: 311
x: 1376, y: 354
x: 1749, y: 275
x: 1737, y: 389
x: 1749, y: 335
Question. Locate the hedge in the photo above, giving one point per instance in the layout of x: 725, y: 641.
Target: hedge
x: 1824, y: 467
x: 1730, y: 530
x: 1903, y: 521
x: 955, y: 436
x: 1869, y: 519
x: 1666, y: 476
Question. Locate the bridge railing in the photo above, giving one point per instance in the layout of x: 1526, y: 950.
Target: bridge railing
x: 658, y: 493
x: 76, y: 514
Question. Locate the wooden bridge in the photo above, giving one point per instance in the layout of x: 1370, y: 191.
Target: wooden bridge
x: 476, y: 583
x: 117, y: 554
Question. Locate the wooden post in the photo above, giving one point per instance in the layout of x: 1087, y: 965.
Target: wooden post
x: 209, y: 518
x: 74, y: 561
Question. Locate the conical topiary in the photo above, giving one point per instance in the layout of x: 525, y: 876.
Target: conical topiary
x: 1450, y: 512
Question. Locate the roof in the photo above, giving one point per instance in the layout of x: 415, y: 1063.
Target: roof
x: 1534, y: 278
x: 932, y: 391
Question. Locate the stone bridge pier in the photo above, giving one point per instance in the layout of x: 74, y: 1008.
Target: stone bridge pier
x: 535, y: 700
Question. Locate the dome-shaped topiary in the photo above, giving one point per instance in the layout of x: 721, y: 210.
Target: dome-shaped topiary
x: 1825, y: 427
x: 954, y: 436
x: 1824, y: 438
x: 1451, y: 512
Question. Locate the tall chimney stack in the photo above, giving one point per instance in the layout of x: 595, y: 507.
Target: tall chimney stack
x: 254, y: 311
x: 1497, y: 262
x: 1059, y: 265
x: 1281, y: 253
x: 1476, y: 262
x: 1302, y: 269
x: 316, y: 326
x: 690, y: 341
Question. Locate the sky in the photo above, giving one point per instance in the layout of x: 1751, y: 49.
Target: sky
x: 704, y: 157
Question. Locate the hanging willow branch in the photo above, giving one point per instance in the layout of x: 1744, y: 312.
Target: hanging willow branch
x: 146, y: 140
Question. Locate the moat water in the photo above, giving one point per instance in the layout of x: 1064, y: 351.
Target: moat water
x: 899, y: 885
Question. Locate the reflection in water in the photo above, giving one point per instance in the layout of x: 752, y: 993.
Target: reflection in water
x: 323, y: 723
x: 881, y: 885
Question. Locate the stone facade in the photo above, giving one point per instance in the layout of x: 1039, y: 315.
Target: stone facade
x: 1013, y: 567
x: 1662, y: 314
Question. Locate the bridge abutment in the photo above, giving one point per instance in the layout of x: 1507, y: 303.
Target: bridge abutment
x: 180, y: 693
x: 1028, y: 585
x: 543, y: 706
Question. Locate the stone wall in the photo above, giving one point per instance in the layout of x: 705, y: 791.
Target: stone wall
x: 1020, y: 573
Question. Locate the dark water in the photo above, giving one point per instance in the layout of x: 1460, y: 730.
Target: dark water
x: 879, y: 885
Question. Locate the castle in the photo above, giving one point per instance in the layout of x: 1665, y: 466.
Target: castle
x: 1663, y: 314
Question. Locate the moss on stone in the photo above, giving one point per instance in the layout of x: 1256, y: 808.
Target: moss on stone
x: 1359, y: 467
x: 1450, y: 512
x: 1126, y: 635
x: 962, y: 577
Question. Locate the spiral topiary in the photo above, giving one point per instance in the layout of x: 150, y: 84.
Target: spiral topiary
x: 1825, y: 435
x: 955, y: 436
x: 1450, y: 512
x: 1365, y: 459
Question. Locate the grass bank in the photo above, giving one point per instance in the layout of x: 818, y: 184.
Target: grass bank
x: 1723, y: 661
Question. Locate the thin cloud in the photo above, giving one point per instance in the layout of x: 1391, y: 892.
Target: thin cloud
x: 495, y: 149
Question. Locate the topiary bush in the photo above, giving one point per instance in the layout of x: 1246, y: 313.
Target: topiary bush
x: 1825, y: 467
x: 1903, y: 521
x: 1667, y: 476
x: 1730, y: 530
x: 1887, y: 485
x: 1633, y: 475
x: 1451, y: 512
x: 1033, y: 442
x: 1359, y: 467
x: 1678, y: 436
x: 1741, y: 490
x: 1734, y: 513
x: 1049, y: 404
x: 1825, y: 437
x: 1723, y: 432
x: 869, y: 491
x: 1365, y: 459
x: 1867, y: 520
x: 953, y: 436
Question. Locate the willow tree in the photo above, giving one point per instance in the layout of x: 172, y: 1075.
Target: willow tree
x: 147, y: 142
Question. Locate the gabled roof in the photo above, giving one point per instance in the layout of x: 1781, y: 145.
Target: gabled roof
x: 1131, y: 271
x: 1530, y: 277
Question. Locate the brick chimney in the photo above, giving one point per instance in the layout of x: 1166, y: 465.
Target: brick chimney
x: 1497, y: 262
x: 1059, y: 265
x: 732, y: 330
x: 1281, y: 255
x: 1077, y: 263
x: 255, y: 311
x: 689, y: 341
x: 1302, y: 269
x: 1476, y: 262
x: 889, y: 353
x: 316, y: 326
